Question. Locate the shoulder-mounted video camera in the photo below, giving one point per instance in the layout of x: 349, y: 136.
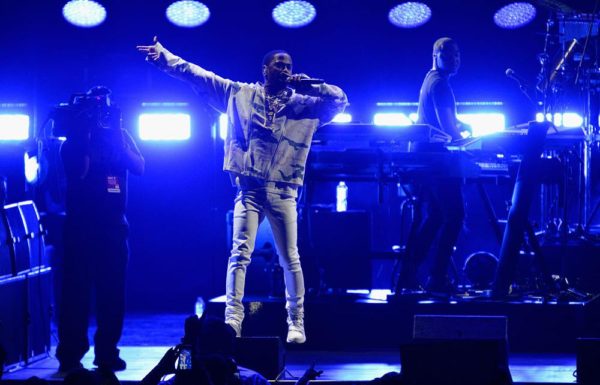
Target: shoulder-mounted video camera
x: 86, y: 112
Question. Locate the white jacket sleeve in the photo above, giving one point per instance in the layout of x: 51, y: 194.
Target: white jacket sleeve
x: 215, y: 89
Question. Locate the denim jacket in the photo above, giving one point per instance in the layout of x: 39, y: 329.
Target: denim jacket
x: 278, y: 153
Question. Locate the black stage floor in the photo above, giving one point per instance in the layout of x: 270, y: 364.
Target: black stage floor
x: 355, y: 338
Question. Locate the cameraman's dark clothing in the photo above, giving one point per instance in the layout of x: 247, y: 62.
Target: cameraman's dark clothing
x: 100, y: 197
x: 440, y: 209
x: 95, y: 260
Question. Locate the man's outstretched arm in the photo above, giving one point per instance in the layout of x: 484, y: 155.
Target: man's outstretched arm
x: 206, y: 83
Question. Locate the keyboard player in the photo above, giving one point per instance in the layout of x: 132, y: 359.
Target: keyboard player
x: 439, y: 213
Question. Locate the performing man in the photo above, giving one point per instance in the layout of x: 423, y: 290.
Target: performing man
x: 270, y: 128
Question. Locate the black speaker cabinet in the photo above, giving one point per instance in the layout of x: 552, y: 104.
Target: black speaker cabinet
x: 473, y: 327
x: 451, y: 362
x: 39, y: 313
x: 19, y: 235
x: 13, y: 319
x: 264, y: 355
x: 588, y: 353
x: 341, y: 244
x: 466, y: 350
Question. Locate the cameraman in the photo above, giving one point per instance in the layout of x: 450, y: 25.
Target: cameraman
x: 96, y: 156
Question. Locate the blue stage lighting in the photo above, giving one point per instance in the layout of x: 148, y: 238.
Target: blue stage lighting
x: 514, y: 15
x: 572, y: 120
x: 164, y: 126
x: 409, y: 15
x: 32, y: 168
x: 391, y: 119
x: 14, y: 127
x: 294, y: 13
x: 566, y: 120
x: 223, y: 125
x: 84, y: 13
x: 539, y: 117
x: 188, y: 13
x: 484, y: 123
x: 343, y: 117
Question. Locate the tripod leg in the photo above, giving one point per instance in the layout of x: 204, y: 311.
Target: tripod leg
x: 492, y: 217
x: 540, y: 260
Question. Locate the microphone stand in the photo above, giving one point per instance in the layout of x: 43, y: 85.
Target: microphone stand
x: 525, y: 90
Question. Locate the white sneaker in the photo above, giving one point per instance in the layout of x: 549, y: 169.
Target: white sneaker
x: 236, y: 326
x: 296, y: 333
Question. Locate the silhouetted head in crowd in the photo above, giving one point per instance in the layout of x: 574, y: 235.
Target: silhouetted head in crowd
x: 35, y: 381
x: 209, y: 336
x: 212, y: 342
x: 216, y: 337
x: 391, y: 378
x: 87, y: 377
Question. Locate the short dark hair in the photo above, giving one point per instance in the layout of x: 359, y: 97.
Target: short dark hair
x: 271, y: 54
x: 441, y: 43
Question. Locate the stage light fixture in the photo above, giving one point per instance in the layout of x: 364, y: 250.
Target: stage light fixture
x: 14, y: 127
x: 188, y: 13
x: 566, y: 120
x: 223, y: 126
x: 294, y: 13
x: 392, y: 119
x: 343, y: 117
x: 409, y: 15
x: 539, y: 117
x: 32, y: 168
x: 572, y: 120
x: 514, y: 15
x: 484, y: 123
x: 164, y: 126
x: 84, y: 13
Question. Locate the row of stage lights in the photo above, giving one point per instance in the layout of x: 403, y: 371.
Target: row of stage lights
x: 163, y: 126
x: 292, y: 14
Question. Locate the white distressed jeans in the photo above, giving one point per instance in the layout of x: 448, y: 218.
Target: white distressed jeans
x: 251, y: 207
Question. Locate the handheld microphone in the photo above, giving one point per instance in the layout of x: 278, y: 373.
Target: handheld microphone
x: 305, y: 81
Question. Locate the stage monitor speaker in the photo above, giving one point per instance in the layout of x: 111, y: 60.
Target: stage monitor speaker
x: 341, y: 244
x: 13, y: 314
x: 34, y: 234
x: 264, y: 355
x: 6, y: 250
x: 39, y: 310
x: 449, y: 327
x: 16, y: 225
x: 588, y: 353
x: 466, y: 350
